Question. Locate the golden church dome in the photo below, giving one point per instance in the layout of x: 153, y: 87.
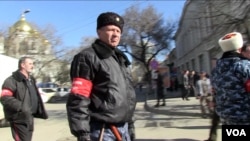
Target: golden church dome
x: 22, y: 25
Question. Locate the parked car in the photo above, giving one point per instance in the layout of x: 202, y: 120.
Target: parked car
x: 62, y: 91
x: 61, y: 95
x: 47, y: 85
x: 46, y: 94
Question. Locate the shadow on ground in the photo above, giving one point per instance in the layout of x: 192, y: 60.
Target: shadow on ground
x: 58, y: 99
x: 181, y: 139
x: 144, y: 94
x: 173, y: 111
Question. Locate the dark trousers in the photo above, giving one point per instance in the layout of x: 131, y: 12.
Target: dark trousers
x: 214, y: 123
x: 108, y: 135
x: 213, y: 130
x: 21, y: 131
x: 160, y: 95
x: 185, y: 92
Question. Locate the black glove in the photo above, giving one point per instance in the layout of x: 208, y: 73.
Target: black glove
x: 85, y: 137
x: 131, y: 131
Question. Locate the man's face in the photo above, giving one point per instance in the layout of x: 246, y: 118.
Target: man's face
x: 110, y: 34
x: 28, y: 65
x: 246, y: 53
x: 202, y: 74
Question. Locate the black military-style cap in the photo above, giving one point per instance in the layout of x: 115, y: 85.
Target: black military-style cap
x: 110, y: 18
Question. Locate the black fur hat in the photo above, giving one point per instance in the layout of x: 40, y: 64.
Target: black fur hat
x: 110, y: 18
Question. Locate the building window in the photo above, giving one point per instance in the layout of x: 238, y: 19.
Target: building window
x: 193, y: 64
x: 188, y: 66
x: 201, y: 62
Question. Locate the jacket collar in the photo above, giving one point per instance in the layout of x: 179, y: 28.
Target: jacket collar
x: 105, y: 51
x: 231, y: 54
x: 18, y: 76
x: 102, y: 49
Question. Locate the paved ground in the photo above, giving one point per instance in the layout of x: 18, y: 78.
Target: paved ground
x: 180, y: 120
x: 177, y: 121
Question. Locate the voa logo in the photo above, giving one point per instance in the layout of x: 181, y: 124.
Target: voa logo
x: 236, y: 132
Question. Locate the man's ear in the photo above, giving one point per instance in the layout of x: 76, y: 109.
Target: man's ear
x: 97, y: 31
x: 22, y: 65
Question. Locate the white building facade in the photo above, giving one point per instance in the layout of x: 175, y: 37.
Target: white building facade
x: 201, y: 25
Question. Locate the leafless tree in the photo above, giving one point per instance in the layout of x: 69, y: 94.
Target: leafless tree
x: 146, y: 35
x: 221, y: 17
x: 43, y: 44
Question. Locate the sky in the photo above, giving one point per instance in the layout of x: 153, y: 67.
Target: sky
x: 74, y: 20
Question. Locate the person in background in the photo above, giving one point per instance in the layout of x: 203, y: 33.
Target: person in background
x: 180, y: 81
x: 193, y: 78
x: 245, y: 51
x: 102, y: 100
x: 215, y: 119
x: 186, y: 85
x: 204, y: 88
x: 160, y: 90
x: 229, y: 79
x: 21, y: 101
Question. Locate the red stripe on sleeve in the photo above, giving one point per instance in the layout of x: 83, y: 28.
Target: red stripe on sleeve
x: 6, y: 92
x: 81, y: 86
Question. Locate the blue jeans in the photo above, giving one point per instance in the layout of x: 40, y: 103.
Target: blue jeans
x: 108, y: 134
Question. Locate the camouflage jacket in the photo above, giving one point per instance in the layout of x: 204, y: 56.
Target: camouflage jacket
x: 228, y: 79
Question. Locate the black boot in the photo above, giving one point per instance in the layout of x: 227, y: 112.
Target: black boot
x: 163, y: 104
x: 157, y: 105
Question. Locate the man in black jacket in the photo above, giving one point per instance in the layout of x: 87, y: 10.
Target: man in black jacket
x: 22, y: 101
x: 102, y: 100
x: 160, y: 90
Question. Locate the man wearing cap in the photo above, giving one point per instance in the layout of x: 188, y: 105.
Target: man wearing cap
x: 245, y: 51
x: 102, y: 100
x: 229, y: 79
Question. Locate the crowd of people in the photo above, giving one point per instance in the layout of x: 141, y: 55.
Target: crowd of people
x: 224, y: 94
x: 197, y: 84
x: 102, y: 87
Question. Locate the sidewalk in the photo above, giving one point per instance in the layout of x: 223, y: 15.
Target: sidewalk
x: 177, y: 121
x: 144, y: 95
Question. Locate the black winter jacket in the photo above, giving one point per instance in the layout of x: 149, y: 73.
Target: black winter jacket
x: 17, y: 108
x: 106, y: 78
